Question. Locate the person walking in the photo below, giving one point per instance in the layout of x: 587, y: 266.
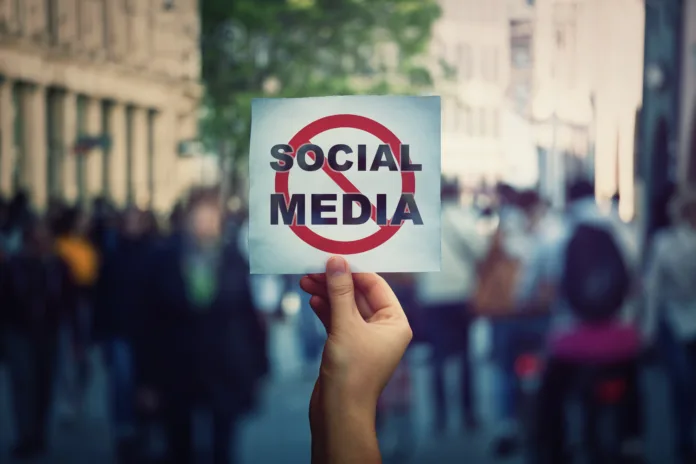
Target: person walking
x: 671, y: 308
x: 445, y: 297
x: 37, y: 293
x: 118, y: 295
x: 592, y: 326
x: 201, y: 342
x: 76, y: 250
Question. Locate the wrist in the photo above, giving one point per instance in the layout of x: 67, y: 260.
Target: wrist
x: 337, y: 394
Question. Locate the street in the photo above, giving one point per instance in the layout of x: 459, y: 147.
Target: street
x: 279, y: 431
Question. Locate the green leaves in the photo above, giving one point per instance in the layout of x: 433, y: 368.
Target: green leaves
x: 300, y: 48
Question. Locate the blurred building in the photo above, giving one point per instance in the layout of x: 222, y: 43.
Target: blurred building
x: 121, y: 77
x: 521, y: 21
x: 687, y: 114
x: 588, y: 61
x: 520, y: 164
x: 470, y: 53
x: 667, y: 129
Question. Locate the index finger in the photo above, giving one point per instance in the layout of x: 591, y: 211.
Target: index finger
x: 319, y: 278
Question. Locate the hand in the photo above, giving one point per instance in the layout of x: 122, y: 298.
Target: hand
x: 367, y: 336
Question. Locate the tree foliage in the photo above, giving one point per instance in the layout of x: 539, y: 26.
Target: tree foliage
x: 299, y: 48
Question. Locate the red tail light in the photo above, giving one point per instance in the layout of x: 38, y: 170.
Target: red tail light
x: 527, y: 365
x: 611, y: 391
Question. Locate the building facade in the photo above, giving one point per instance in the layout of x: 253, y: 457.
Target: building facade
x: 470, y: 53
x: 125, y: 72
x: 588, y: 61
x: 659, y: 117
x: 520, y: 164
x: 521, y: 20
x: 687, y: 111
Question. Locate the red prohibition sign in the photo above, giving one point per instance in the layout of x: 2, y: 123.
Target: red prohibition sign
x: 352, y: 121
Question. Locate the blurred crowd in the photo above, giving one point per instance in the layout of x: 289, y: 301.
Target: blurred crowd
x: 180, y: 325
x: 168, y: 306
x: 577, y: 305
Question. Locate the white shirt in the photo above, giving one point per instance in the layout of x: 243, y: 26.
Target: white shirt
x: 513, y: 224
x: 670, y: 284
x: 462, y: 246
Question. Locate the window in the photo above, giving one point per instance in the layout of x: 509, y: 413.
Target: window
x: 19, y: 6
x: 106, y: 159
x: 52, y: 21
x: 464, y: 61
x: 469, y: 120
x: 168, y: 4
x: 81, y: 132
x: 19, y: 140
x: 520, y: 57
x: 106, y: 30
x: 483, y: 127
x: 54, y: 141
x: 494, y: 64
x: 129, y: 154
x: 489, y: 65
x: 495, y: 123
x: 151, y: 121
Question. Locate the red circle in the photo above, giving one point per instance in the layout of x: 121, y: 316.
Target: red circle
x: 352, y: 121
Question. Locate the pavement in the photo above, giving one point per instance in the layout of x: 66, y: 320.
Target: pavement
x: 279, y: 430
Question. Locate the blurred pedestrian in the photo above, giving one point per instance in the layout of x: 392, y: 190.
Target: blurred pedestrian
x: 74, y: 247
x: 176, y: 218
x: 445, y: 297
x: 671, y: 306
x: 523, y: 217
x: 202, y: 343
x: 579, y: 339
x: 152, y: 228
x: 118, y: 295
x: 11, y: 231
x: 37, y: 293
x: 104, y: 227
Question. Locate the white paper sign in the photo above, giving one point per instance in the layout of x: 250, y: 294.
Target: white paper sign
x: 354, y: 176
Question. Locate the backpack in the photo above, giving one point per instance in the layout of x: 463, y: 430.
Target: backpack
x: 596, y: 279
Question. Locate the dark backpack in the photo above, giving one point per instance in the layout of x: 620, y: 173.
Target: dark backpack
x: 596, y: 278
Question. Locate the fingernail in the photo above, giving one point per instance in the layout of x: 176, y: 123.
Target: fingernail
x: 336, y: 266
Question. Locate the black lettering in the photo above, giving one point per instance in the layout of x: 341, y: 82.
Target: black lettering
x: 407, y: 209
x: 362, y: 158
x: 384, y: 157
x: 318, y: 156
x: 318, y: 208
x: 333, y: 163
x: 365, y: 209
x: 382, y: 209
x: 282, y: 154
x: 295, y: 208
x: 406, y: 164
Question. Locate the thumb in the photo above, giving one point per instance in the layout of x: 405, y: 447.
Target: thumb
x: 339, y: 284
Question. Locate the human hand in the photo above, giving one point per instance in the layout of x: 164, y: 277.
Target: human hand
x: 367, y: 335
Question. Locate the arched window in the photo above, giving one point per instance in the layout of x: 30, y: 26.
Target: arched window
x: 464, y: 61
